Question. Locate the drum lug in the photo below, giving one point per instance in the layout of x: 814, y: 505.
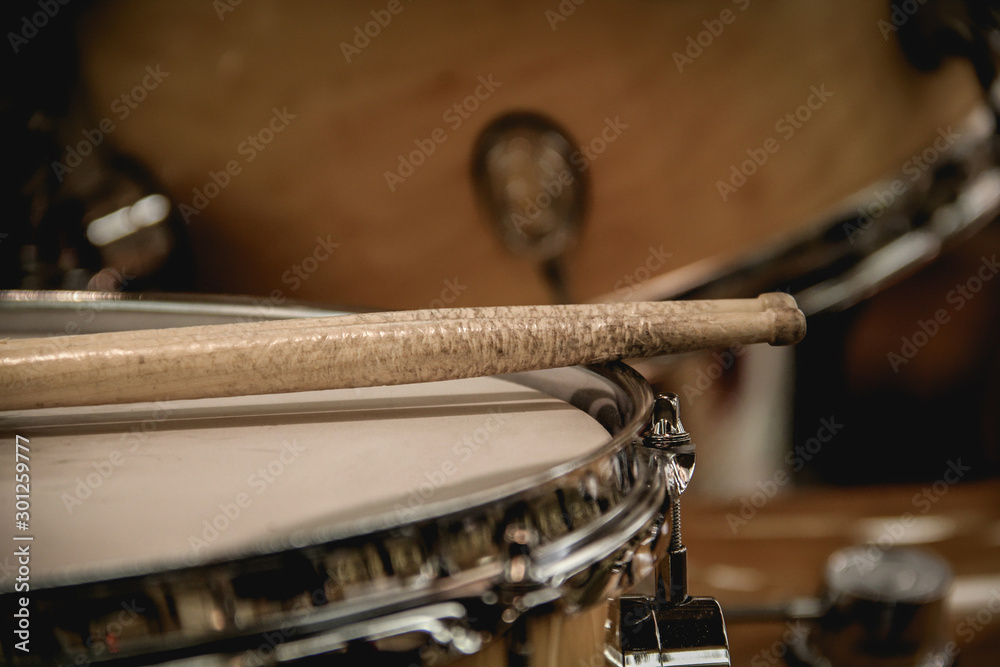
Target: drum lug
x: 671, y: 444
x: 671, y: 627
x: 674, y: 451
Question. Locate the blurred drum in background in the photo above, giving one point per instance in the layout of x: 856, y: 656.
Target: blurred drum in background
x: 330, y: 146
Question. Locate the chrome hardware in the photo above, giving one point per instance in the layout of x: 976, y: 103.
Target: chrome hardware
x: 442, y: 630
x: 881, y: 608
x: 665, y: 427
x: 533, y: 191
x: 642, y: 635
x: 670, y: 628
x: 666, y: 434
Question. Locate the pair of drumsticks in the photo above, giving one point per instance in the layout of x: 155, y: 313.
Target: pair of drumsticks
x: 373, y: 349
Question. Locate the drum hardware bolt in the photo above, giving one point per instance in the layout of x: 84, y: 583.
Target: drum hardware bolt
x: 677, y: 555
x: 675, y: 527
x: 665, y: 427
x: 667, y: 434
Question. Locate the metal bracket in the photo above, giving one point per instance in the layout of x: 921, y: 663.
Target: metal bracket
x: 670, y: 628
x: 642, y: 633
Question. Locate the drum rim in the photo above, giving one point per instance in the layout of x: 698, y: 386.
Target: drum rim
x: 848, y: 261
x: 166, y: 303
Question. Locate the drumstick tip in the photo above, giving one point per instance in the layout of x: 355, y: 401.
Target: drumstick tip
x: 789, y: 321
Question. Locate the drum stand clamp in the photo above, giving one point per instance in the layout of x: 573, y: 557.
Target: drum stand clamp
x: 670, y: 627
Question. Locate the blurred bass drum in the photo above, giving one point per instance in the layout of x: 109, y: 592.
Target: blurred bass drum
x: 331, y: 145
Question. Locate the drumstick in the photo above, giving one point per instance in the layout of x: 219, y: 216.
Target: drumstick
x: 373, y: 349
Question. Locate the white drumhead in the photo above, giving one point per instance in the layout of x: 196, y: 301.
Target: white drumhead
x: 123, y: 489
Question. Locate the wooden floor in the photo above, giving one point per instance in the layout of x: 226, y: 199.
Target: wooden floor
x: 780, y: 553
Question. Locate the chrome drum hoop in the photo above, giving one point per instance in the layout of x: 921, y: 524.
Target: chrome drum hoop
x: 442, y: 584
x: 863, y: 245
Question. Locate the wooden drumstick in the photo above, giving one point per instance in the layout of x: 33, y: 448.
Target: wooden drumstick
x: 373, y: 349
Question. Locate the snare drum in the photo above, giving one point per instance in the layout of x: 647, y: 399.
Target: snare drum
x: 487, y: 520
